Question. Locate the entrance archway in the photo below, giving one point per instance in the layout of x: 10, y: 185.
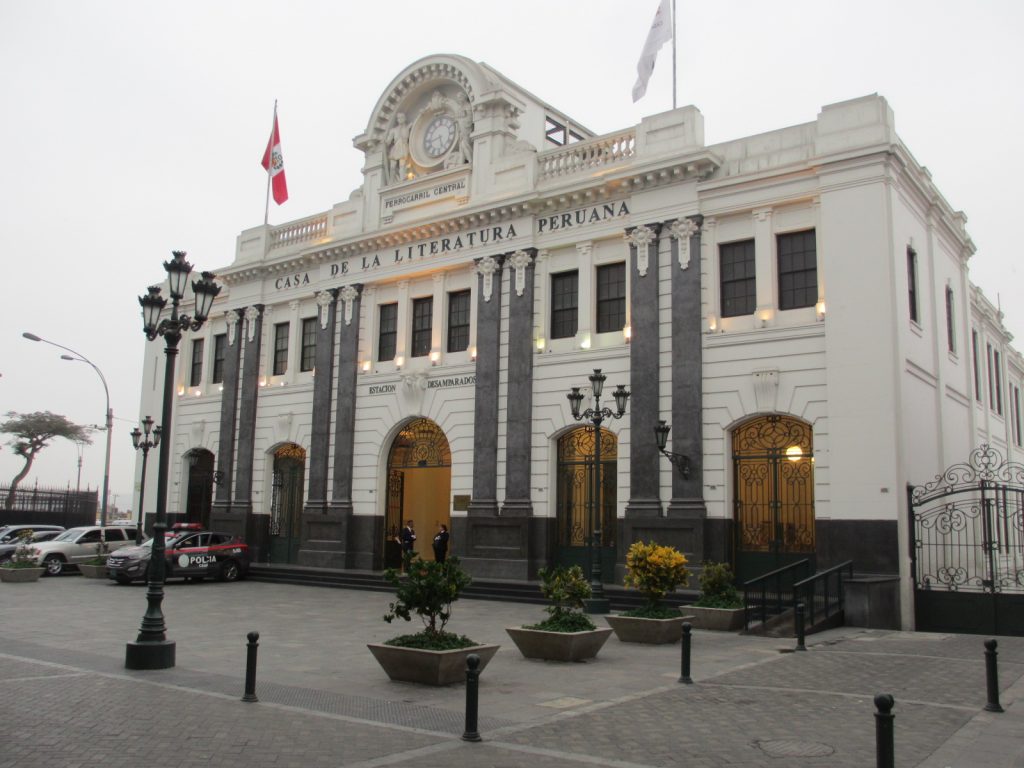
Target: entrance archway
x: 286, y: 503
x: 573, y: 501
x: 773, y: 494
x: 199, y: 498
x: 418, y: 487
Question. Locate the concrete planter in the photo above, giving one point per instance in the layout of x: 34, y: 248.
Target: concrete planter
x: 20, y: 575
x: 558, y: 646
x: 634, y: 629
x: 415, y: 665
x: 721, y: 619
x: 93, y: 571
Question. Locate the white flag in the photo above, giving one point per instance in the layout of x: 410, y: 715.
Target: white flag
x: 661, y: 33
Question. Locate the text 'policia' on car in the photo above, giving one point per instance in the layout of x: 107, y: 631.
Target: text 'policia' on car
x: 192, y: 553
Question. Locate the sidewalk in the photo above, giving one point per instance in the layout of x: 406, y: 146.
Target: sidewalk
x: 68, y: 701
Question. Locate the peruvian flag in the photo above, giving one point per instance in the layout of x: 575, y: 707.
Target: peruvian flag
x: 273, y: 162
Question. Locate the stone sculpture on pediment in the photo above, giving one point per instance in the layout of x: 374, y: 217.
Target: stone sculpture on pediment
x: 397, y: 143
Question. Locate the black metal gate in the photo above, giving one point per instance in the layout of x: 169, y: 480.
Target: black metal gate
x: 967, y: 548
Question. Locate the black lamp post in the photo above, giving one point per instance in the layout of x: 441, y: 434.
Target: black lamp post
x: 152, y: 440
x: 678, y: 460
x: 152, y: 649
x: 598, y: 603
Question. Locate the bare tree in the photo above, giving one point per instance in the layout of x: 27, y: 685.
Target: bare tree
x: 32, y: 432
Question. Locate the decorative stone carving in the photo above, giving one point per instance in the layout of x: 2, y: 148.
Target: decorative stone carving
x: 463, y: 152
x: 640, y: 238
x: 486, y: 268
x: 231, y: 317
x: 283, y: 427
x: 397, y: 143
x: 414, y: 386
x: 520, y: 260
x: 324, y: 299
x: 682, y: 230
x: 348, y: 296
x: 766, y: 389
x: 198, y: 430
x: 252, y: 314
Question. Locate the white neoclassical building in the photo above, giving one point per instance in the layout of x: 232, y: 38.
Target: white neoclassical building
x: 796, y: 305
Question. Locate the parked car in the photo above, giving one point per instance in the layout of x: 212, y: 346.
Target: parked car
x: 7, y: 550
x: 76, y: 545
x: 9, y: 533
x: 192, y: 553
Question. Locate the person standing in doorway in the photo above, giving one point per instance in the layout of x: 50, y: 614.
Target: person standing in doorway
x: 441, y: 544
x: 407, y: 538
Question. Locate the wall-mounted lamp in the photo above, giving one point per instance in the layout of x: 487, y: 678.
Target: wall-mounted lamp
x: 585, y: 341
x: 263, y: 381
x: 819, y: 310
x: 627, y: 333
x: 541, y: 341
x: 678, y: 460
x: 181, y: 391
x: 218, y: 477
x: 765, y: 316
x: 472, y: 353
x: 198, y: 393
x: 435, y: 357
x: 712, y: 322
x: 399, y: 361
x: 366, y: 366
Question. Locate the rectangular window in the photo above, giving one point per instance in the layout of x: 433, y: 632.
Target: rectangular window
x: 564, y: 305
x: 738, y: 284
x: 798, y: 269
x: 220, y: 351
x: 912, y: 283
x: 422, y: 325
x: 280, y: 349
x: 611, y: 297
x: 950, y: 333
x: 387, y: 336
x: 977, y: 366
x: 991, y: 379
x: 196, y: 376
x: 308, y: 357
x: 1016, y: 415
x: 458, y: 321
x: 997, y: 361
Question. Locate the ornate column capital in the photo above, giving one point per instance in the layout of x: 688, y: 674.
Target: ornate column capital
x: 231, y: 317
x: 487, y: 267
x: 642, y: 238
x: 324, y: 299
x: 252, y: 315
x: 681, y: 230
x: 348, y: 295
x: 519, y: 261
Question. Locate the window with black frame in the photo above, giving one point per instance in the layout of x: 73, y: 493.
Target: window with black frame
x: 280, y: 349
x: 798, y: 269
x: 220, y: 351
x: 611, y: 297
x: 387, y: 335
x: 564, y: 305
x: 458, y: 321
x: 196, y: 375
x: 737, y: 280
x: 422, y: 326
x: 307, y: 359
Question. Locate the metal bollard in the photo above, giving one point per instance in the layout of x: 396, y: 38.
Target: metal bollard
x: 885, y: 750
x: 992, y: 677
x: 685, y: 676
x: 250, y: 667
x: 800, y: 627
x: 472, y: 697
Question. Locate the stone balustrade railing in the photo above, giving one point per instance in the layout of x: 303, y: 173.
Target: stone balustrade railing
x: 303, y: 230
x: 586, y: 156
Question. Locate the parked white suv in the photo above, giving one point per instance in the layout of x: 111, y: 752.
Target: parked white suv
x: 77, y: 545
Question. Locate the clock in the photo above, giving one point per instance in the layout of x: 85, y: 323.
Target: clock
x: 439, y: 136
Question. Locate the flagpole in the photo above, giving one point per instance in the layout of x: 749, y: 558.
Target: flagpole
x: 673, y: 54
x: 270, y: 170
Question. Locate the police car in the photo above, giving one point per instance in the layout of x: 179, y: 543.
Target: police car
x: 192, y: 553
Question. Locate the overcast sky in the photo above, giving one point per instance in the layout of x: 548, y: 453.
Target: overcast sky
x: 133, y: 128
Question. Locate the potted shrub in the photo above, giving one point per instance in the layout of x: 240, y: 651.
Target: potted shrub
x: 96, y: 567
x: 22, y: 566
x: 655, y: 571
x: 567, y: 634
x: 720, y: 605
x: 432, y: 655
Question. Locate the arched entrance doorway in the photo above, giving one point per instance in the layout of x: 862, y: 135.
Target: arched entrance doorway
x: 199, y: 499
x: 286, y: 503
x: 419, y: 487
x: 574, y: 494
x: 773, y: 494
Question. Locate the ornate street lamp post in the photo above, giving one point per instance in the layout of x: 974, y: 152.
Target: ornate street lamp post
x: 678, y: 460
x: 152, y: 649
x: 152, y: 440
x: 596, y: 415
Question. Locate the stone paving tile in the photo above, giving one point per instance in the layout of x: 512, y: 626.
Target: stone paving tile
x: 1009, y: 649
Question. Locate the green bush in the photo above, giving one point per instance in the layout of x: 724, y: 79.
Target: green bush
x: 23, y: 556
x: 717, y: 587
x: 428, y: 590
x: 566, y: 589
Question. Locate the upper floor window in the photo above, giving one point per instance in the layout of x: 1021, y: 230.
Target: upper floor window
x: 196, y: 375
x: 308, y: 357
x: 1015, y: 405
x: 950, y: 332
x: 458, y: 321
x: 387, y: 336
x: 422, y: 325
x: 977, y: 365
x: 997, y: 364
x: 220, y: 350
x: 798, y: 269
x: 280, y: 349
x: 738, y: 284
x: 912, y: 284
x: 611, y: 297
x: 564, y: 304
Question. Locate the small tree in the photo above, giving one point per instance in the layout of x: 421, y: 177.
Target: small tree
x: 32, y: 432
x: 566, y: 589
x: 428, y: 589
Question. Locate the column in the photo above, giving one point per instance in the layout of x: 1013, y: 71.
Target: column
x: 519, y: 422
x: 344, y: 429
x: 252, y: 335
x: 228, y: 413
x: 644, y: 500
x: 323, y: 380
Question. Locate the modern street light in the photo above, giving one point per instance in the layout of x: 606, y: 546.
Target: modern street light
x: 598, y: 603
x: 78, y: 357
x: 678, y: 460
x: 152, y: 440
x: 152, y: 649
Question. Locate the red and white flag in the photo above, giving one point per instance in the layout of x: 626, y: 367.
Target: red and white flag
x: 273, y: 162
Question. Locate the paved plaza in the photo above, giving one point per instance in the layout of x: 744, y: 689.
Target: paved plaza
x: 323, y: 701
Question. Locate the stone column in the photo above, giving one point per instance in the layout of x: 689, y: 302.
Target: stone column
x: 519, y: 422
x: 228, y: 415
x: 323, y: 380
x: 644, y: 459
x: 251, y: 338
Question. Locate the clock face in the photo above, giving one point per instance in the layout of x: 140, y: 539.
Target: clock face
x: 439, y: 136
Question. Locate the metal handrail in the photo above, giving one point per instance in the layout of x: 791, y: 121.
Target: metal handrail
x: 776, y: 578
x: 832, y: 601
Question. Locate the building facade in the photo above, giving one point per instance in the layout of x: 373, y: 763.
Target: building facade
x: 796, y: 305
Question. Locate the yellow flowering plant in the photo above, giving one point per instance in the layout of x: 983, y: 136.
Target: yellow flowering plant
x: 655, y: 571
